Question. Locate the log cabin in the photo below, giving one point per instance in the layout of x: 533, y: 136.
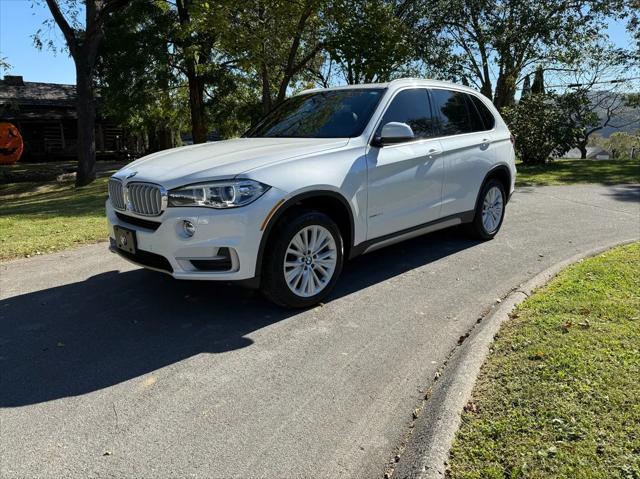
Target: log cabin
x: 45, y: 115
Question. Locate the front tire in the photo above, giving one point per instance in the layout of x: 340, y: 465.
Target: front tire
x: 489, y: 211
x: 304, y: 259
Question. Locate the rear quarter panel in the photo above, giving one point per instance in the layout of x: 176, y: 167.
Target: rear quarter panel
x: 466, y: 166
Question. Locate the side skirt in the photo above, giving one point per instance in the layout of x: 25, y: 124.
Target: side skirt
x: 419, y: 230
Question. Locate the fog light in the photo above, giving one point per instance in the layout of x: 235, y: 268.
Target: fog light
x: 189, y: 228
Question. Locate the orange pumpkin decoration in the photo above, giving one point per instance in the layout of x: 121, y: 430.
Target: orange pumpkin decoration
x: 11, y: 144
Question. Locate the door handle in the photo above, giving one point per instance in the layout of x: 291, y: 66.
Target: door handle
x: 434, y: 152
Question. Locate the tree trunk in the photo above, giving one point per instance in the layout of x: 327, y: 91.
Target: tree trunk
x: 165, y: 138
x: 266, y: 90
x: 154, y: 141
x: 282, y: 90
x: 83, y: 46
x: 86, y: 109
x: 196, y: 105
x: 199, y: 128
x: 505, y: 91
x: 486, y: 89
x: 583, y: 151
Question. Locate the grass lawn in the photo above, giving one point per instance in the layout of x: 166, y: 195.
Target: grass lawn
x: 565, y: 172
x: 38, y: 218
x: 42, y: 217
x: 559, y: 395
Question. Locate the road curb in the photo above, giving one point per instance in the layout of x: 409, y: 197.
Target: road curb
x: 427, y: 450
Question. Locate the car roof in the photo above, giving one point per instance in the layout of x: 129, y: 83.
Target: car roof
x: 400, y: 82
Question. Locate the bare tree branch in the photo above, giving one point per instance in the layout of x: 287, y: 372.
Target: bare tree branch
x: 61, y: 21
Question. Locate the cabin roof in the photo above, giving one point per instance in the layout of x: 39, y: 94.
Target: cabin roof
x: 23, y: 93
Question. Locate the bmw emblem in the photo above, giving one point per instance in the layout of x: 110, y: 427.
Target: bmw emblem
x: 131, y: 175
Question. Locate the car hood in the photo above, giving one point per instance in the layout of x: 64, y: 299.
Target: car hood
x: 222, y: 159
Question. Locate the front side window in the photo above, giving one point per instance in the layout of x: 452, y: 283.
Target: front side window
x: 454, y: 115
x: 323, y: 114
x: 411, y: 107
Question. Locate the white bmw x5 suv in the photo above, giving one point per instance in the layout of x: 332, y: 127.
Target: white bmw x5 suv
x: 327, y: 175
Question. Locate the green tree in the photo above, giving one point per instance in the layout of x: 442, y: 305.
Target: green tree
x: 537, y: 86
x: 577, y: 108
x: 632, y: 12
x: 502, y: 38
x: 196, y: 38
x: 4, y: 65
x: 368, y: 40
x: 233, y: 109
x: 83, y: 39
x: 275, y: 41
x: 377, y: 40
x: 526, y: 88
x: 623, y: 145
x: 138, y: 86
x: 163, y: 63
x: 592, y: 111
x: 350, y: 44
x: 594, y: 101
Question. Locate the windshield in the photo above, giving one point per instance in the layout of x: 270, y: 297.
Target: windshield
x: 324, y: 114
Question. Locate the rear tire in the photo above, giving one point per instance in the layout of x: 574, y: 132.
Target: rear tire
x: 489, y: 211
x: 303, y: 259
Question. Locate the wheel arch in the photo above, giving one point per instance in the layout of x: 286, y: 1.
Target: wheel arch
x: 502, y: 174
x: 335, y: 205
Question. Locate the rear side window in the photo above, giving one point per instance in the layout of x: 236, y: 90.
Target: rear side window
x: 476, y: 122
x: 487, y: 117
x: 411, y: 107
x: 454, y: 114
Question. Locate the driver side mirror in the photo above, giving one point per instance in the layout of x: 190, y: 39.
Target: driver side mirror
x: 393, y: 132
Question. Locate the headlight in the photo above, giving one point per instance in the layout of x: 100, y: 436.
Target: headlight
x: 219, y: 194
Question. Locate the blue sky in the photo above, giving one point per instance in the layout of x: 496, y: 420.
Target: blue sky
x: 20, y: 19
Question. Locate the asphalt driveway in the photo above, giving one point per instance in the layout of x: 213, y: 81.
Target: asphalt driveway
x: 111, y: 371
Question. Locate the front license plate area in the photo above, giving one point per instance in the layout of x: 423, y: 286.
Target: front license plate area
x: 125, y: 239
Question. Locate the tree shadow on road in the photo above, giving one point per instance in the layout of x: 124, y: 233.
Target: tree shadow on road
x: 626, y: 193
x: 82, y: 337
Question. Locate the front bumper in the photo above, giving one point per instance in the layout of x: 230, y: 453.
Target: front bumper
x: 234, y: 233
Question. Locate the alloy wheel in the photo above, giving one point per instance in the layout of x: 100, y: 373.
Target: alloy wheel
x: 310, y: 261
x: 492, y: 209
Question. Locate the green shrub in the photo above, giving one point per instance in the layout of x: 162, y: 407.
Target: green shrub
x: 541, y: 128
